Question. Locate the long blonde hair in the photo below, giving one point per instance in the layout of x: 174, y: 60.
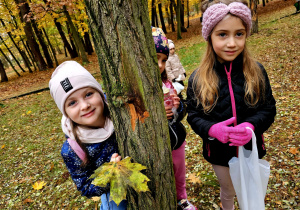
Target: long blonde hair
x: 206, y: 80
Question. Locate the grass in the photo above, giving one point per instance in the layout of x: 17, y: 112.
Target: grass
x: 31, y: 136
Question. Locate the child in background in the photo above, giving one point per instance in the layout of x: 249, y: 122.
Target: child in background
x: 86, y: 122
x: 174, y: 68
x: 175, y: 111
x: 229, y: 92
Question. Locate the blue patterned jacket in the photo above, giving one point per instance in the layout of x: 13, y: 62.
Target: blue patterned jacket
x: 99, y: 153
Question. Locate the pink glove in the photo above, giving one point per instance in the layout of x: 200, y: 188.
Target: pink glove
x: 221, y: 131
x: 242, y: 136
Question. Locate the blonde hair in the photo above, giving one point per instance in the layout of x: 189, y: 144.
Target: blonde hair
x: 206, y: 80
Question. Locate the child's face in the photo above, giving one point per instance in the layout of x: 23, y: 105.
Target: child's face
x: 172, y: 51
x: 228, y: 38
x: 162, y: 59
x: 85, y: 107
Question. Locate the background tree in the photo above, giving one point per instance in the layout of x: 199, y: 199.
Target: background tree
x: 254, y: 14
x: 178, y: 12
x: 34, y: 47
x: 131, y: 78
x: 3, y: 73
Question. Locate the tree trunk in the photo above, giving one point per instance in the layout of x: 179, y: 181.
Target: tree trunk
x: 88, y: 43
x: 76, y: 37
x: 163, y: 27
x: 188, y: 13
x: 30, y: 55
x: 12, y: 54
x: 253, y: 6
x: 51, y: 47
x: 183, y: 29
x: 39, y: 36
x: 72, y: 52
x: 3, y: 73
x: 132, y: 82
x: 8, y: 60
x: 178, y: 20
x: 18, y: 48
x: 34, y: 47
x: 172, y: 15
x: 153, y: 14
x: 264, y: 3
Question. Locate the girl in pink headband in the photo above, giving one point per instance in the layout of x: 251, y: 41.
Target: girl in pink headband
x: 229, y: 92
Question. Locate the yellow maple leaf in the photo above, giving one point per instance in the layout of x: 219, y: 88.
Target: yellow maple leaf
x: 28, y: 112
x: 39, y: 185
x: 3, y: 146
x: 95, y: 198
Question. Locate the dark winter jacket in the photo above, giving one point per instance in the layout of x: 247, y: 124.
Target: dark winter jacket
x: 99, y: 153
x: 261, y: 116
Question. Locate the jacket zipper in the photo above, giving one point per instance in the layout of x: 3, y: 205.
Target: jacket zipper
x: 228, y: 73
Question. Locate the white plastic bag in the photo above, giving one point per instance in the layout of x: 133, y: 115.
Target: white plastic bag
x: 250, y: 177
x: 178, y: 87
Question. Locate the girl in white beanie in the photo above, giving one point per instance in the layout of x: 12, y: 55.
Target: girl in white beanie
x: 91, y: 139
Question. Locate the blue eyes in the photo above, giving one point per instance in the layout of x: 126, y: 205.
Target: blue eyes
x: 74, y: 102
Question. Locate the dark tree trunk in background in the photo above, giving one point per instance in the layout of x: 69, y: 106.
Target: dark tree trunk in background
x: 163, y: 27
x: 264, y: 3
x: 76, y: 37
x: 133, y: 85
x: 153, y: 14
x: 8, y: 60
x: 188, y: 13
x: 178, y: 19
x: 18, y: 48
x: 40, y: 37
x: 172, y: 15
x: 12, y: 54
x: 3, y: 73
x: 253, y: 7
x: 183, y: 29
x: 51, y: 47
x: 34, y: 47
x: 72, y: 52
x: 88, y: 43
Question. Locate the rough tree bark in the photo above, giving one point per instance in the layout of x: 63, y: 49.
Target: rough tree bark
x: 127, y: 58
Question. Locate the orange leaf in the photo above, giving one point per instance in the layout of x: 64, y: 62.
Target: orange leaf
x: 39, y: 185
x: 194, y: 178
x: 27, y: 200
x: 3, y: 146
x: 293, y: 150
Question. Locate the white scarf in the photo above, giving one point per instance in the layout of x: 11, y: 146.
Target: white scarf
x: 88, y: 135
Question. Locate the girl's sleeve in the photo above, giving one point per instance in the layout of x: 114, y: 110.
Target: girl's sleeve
x: 81, y: 175
x: 169, y: 71
x: 195, y: 116
x: 266, y: 110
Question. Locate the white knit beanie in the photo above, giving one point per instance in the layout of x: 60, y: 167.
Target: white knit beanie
x: 171, y: 44
x: 66, y: 79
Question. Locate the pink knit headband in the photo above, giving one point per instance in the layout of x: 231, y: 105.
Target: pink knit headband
x: 215, y: 13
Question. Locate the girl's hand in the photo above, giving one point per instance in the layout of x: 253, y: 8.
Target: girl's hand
x: 115, y: 158
x: 169, y: 112
x: 176, y: 100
